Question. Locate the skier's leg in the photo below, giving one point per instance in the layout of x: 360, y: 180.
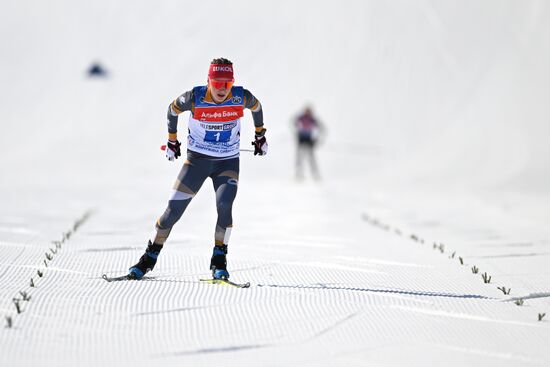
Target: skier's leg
x: 313, y: 161
x: 225, y: 180
x: 299, y: 159
x: 190, y: 179
x: 226, y: 191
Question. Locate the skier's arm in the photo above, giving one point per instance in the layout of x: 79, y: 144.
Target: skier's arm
x: 254, y: 105
x: 180, y: 104
x: 259, y: 143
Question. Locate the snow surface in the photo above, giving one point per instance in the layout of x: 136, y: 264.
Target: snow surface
x: 437, y: 151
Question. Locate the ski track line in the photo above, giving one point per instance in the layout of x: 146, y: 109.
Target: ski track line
x: 321, y: 280
x: 396, y: 231
x: 321, y: 286
x: 44, y: 269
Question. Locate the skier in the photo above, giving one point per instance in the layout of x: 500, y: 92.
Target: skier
x: 212, y: 151
x: 308, y: 130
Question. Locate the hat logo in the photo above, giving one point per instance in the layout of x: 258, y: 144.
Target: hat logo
x: 222, y: 68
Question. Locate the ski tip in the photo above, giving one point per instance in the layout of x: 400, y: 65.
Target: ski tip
x: 226, y: 282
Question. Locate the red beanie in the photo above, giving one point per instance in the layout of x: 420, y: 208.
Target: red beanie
x: 220, y: 71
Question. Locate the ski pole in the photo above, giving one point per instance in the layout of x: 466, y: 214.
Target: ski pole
x: 163, y: 147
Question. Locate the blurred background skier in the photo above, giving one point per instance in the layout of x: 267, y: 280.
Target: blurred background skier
x: 212, y: 151
x: 308, y: 131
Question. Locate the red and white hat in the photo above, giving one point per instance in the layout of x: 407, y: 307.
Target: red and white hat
x: 220, y: 71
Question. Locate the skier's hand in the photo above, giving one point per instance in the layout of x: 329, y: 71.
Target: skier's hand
x: 173, y: 149
x: 260, y: 145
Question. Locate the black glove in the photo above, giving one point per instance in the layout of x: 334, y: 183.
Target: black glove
x: 260, y: 145
x: 173, y: 149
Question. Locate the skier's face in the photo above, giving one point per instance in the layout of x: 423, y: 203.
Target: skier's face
x: 220, y: 88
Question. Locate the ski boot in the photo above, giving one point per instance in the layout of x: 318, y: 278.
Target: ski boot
x: 146, y: 263
x: 218, y: 263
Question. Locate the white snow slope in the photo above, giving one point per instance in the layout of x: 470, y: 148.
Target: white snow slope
x: 435, y: 163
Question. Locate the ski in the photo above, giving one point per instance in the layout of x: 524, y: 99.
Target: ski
x: 117, y: 279
x: 210, y: 281
x: 226, y: 282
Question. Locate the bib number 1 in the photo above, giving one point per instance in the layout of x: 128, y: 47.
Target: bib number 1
x: 217, y: 136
